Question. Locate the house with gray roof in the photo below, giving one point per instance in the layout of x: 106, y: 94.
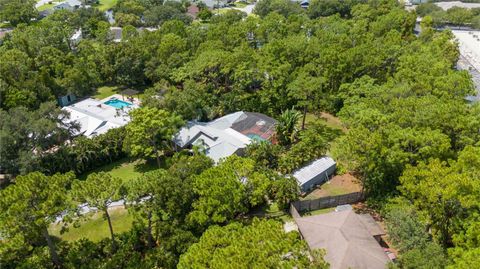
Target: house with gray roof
x: 351, y: 240
x: 227, y: 135
x: 68, y: 5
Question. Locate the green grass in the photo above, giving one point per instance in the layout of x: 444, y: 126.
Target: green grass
x: 126, y: 169
x: 46, y: 6
x: 95, y: 227
x: 329, y: 190
x: 240, y: 4
x: 333, y: 122
x: 333, y: 190
x: 5, y: 25
x: 105, y: 91
x: 318, y: 211
x: 271, y: 211
x: 106, y: 4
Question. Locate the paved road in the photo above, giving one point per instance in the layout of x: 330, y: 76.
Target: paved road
x: 85, y: 209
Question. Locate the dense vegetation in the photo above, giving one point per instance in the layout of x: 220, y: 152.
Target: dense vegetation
x: 411, y: 139
x: 453, y: 16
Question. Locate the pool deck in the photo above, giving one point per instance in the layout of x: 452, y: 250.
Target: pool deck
x: 133, y: 100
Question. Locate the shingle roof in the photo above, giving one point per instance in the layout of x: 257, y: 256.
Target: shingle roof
x: 347, y: 237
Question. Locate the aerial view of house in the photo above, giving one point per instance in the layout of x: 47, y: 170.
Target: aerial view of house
x: 225, y: 134
x: 98, y: 116
x: 350, y: 239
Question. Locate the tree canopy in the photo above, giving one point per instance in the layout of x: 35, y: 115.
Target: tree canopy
x: 260, y: 244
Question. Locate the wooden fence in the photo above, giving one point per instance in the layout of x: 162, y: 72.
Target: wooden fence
x: 324, y: 202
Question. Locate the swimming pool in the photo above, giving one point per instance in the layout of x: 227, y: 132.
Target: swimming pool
x: 117, y: 103
x: 256, y: 137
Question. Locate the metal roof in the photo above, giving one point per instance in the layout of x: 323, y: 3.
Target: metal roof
x: 315, y: 168
x: 217, y: 137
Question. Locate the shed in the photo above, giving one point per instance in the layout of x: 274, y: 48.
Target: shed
x: 67, y: 99
x: 116, y: 34
x: 315, y: 173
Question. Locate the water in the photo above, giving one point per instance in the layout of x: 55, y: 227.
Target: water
x: 117, y: 103
x: 256, y: 137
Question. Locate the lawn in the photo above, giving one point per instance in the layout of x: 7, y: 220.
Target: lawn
x: 318, y: 211
x: 270, y: 211
x: 46, y: 6
x: 95, y: 227
x: 105, y: 91
x: 5, y: 24
x: 240, y: 4
x: 325, y: 118
x: 338, y: 185
x: 126, y: 169
x: 106, y: 4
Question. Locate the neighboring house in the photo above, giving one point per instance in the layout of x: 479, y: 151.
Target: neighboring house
x: 469, y: 46
x: 351, y: 240
x: 97, y: 117
x: 452, y: 4
x: 315, y: 173
x: 214, y: 3
x: 415, y: 2
x: 109, y: 16
x: 193, y: 11
x: 116, y: 34
x: 227, y: 135
x: 68, y: 5
x: 3, y: 33
x: 44, y: 13
x: 303, y: 3
x: 76, y: 37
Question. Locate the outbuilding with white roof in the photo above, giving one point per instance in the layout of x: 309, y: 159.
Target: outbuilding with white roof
x: 315, y: 173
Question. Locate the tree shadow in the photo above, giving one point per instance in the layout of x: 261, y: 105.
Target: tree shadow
x: 105, y: 168
x: 146, y: 166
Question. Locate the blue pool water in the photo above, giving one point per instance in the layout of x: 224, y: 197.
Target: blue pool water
x: 256, y: 137
x: 117, y: 103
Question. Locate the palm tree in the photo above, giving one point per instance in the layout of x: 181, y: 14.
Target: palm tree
x: 287, y: 126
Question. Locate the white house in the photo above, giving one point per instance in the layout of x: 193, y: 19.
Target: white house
x: 68, y: 5
x: 97, y: 117
x: 76, y: 37
x: 227, y: 135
